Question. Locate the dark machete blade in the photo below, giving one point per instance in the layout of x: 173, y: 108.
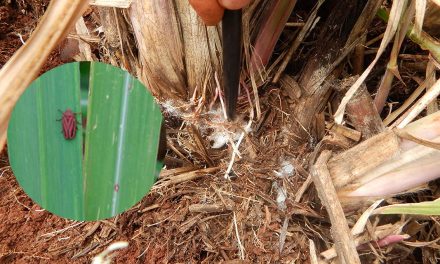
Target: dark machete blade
x: 231, y: 34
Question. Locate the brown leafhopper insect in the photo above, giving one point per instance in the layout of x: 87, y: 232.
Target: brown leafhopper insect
x: 68, y: 122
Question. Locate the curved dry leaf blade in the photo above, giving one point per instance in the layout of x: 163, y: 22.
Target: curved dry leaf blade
x: 397, y: 9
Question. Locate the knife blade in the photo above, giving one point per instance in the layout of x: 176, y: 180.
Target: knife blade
x: 232, y: 42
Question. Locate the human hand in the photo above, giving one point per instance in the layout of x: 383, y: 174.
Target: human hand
x: 211, y: 11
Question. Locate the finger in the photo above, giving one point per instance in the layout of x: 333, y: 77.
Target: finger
x: 209, y: 11
x: 234, y: 4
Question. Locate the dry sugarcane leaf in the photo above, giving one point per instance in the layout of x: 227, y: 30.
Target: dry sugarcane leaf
x: 392, y: 68
x: 397, y: 10
x: 344, y: 242
x: 112, y: 3
x: 420, y: 15
x: 424, y: 142
x: 432, y: 17
x: 405, y: 104
x: 84, y: 47
x: 421, y: 104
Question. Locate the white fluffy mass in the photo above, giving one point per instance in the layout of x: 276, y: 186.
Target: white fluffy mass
x: 287, y: 170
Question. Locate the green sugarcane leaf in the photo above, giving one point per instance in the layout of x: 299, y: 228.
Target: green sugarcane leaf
x: 122, y: 138
x: 101, y: 172
x: 423, y: 208
x: 47, y: 166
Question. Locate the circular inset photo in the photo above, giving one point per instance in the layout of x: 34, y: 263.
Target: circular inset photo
x: 84, y: 140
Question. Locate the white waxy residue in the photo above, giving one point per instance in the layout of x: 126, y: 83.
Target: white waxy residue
x: 287, y: 170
